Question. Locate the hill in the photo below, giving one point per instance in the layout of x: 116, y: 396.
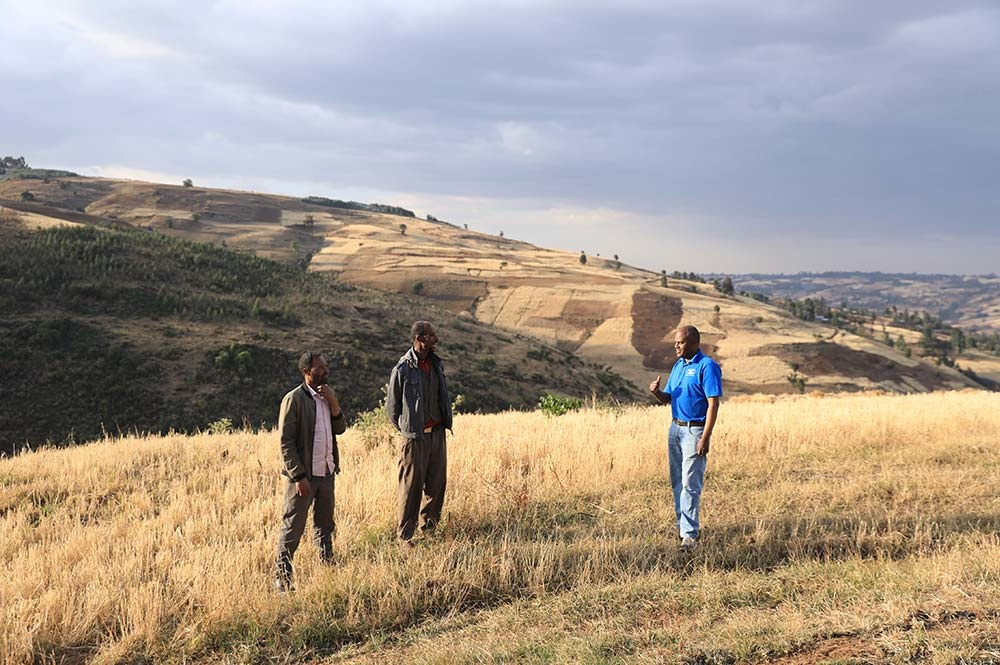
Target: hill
x: 604, y: 311
x: 845, y: 528
x: 971, y: 302
x: 118, y: 329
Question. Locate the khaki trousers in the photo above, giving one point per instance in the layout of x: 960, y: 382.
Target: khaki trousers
x: 423, y: 476
x: 293, y: 522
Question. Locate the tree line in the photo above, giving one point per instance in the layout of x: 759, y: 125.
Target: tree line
x: 938, y: 340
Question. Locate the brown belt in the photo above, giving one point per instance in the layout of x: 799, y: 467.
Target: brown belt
x: 689, y: 423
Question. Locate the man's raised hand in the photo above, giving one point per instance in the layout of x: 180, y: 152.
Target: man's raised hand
x: 654, y: 387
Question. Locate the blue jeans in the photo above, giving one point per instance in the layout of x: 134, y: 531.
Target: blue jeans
x: 687, y: 476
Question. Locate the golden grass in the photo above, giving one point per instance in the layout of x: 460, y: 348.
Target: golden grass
x: 866, y: 517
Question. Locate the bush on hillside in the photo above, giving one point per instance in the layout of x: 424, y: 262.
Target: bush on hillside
x: 558, y: 405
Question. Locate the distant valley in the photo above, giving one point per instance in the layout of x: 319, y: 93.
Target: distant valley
x: 968, y: 301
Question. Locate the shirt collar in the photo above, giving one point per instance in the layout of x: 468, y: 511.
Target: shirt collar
x: 310, y: 390
x: 695, y: 358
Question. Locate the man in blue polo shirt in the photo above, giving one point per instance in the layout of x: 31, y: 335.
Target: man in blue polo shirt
x: 692, y: 391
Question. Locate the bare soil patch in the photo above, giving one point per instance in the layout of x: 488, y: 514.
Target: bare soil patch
x: 654, y: 319
x: 941, y: 632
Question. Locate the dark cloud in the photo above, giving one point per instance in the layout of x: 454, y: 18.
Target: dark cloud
x: 786, y: 117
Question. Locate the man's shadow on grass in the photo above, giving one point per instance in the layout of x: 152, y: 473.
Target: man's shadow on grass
x: 579, y: 527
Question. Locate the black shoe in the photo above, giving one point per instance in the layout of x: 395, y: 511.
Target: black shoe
x: 283, y: 575
x: 689, y: 544
x: 282, y: 585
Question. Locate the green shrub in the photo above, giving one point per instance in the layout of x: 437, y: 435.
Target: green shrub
x: 220, y: 426
x: 374, y: 428
x: 557, y: 405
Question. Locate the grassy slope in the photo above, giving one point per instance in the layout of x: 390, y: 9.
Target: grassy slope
x: 841, y: 527
x: 606, y: 313
x: 125, y: 330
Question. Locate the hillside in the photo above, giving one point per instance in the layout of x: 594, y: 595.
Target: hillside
x: 846, y: 528
x: 971, y: 302
x: 114, y: 330
x: 604, y: 312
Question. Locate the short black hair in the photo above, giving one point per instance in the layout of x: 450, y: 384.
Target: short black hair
x: 690, y: 332
x: 420, y: 328
x: 306, y: 361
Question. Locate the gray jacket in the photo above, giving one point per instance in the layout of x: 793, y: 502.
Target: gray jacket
x: 404, y: 402
x: 297, y: 427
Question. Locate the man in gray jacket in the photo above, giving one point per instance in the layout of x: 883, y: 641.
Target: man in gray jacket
x: 309, y: 421
x: 419, y: 406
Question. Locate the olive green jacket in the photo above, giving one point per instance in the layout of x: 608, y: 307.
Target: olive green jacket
x: 297, y: 426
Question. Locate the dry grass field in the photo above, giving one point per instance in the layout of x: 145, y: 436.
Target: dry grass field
x: 850, y: 528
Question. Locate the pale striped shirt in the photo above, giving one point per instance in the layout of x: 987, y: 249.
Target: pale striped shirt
x: 322, y: 461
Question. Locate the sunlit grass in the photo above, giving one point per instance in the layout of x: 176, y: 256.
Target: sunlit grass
x: 855, y: 515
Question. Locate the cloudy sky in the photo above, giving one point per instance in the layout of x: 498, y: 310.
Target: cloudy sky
x: 705, y: 135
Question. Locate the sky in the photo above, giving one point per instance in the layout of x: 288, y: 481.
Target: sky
x: 716, y: 136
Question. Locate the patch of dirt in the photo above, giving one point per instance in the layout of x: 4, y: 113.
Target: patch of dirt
x: 586, y: 314
x: 744, y: 388
x: 825, y: 358
x: 950, y: 628
x: 655, y: 317
x: 457, y: 295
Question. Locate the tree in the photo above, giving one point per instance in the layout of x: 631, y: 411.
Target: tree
x: 797, y: 380
x: 618, y: 263
x: 27, y: 196
x: 583, y: 258
x: 958, y: 341
x: 402, y: 229
x: 187, y: 182
x: 903, y: 347
x: 663, y: 278
x: 501, y: 234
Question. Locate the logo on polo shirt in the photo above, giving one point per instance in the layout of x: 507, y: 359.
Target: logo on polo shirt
x: 690, y: 371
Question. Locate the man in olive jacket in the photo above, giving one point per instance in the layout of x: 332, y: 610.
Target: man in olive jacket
x: 418, y: 405
x: 309, y: 421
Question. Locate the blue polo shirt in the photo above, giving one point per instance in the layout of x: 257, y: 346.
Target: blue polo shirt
x: 690, y: 385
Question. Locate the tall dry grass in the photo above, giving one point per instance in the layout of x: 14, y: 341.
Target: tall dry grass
x: 824, y: 516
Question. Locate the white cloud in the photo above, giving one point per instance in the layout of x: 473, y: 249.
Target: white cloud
x: 962, y: 33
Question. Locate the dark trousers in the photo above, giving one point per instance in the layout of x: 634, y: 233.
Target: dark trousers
x: 423, y: 475
x: 293, y: 522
